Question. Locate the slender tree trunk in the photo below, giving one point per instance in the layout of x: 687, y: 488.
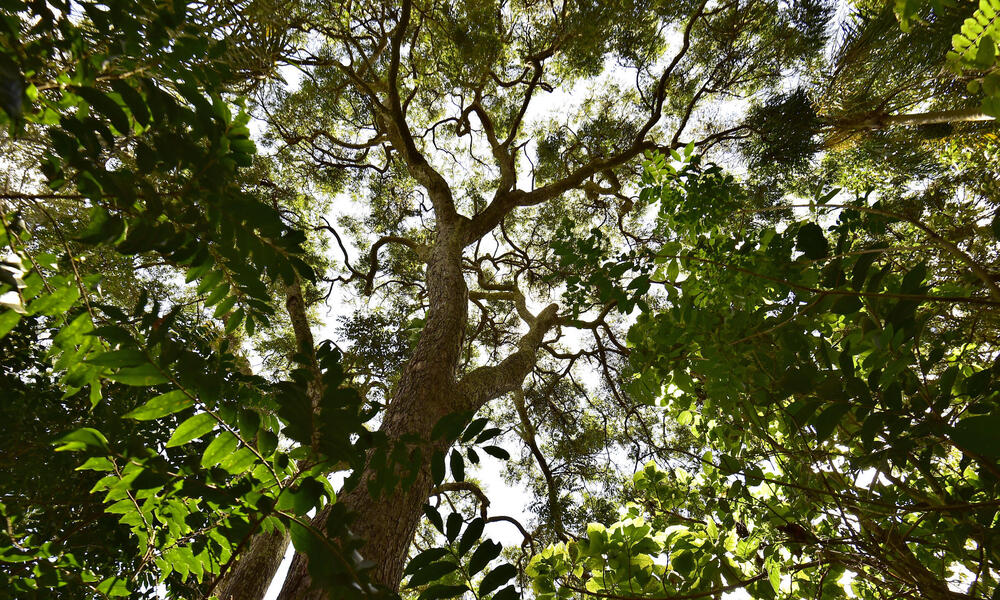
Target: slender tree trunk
x: 965, y: 115
x: 862, y: 122
x: 252, y: 575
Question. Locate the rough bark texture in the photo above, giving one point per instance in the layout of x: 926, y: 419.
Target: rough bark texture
x: 425, y: 393
x: 253, y: 573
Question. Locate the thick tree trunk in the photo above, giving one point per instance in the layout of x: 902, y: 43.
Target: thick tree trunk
x: 425, y: 393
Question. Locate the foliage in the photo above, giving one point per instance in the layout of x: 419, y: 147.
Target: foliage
x: 803, y: 378
x: 836, y: 389
x: 183, y: 441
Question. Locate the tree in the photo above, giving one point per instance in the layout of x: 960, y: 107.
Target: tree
x: 499, y: 231
x: 377, y: 105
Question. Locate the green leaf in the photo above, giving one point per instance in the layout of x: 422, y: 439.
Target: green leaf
x: 846, y: 305
x: 96, y: 463
x: 423, y: 559
x: 496, y: 578
x: 267, y: 442
x: 81, y: 439
x: 113, y: 587
x: 218, y: 449
x: 497, y: 452
x: 979, y: 435
x: 826, y: 421
x: 471, y: 535
x: 8, y: 320
x: 434, y: 517
x: 432, y: 572
x: 437, y: 467
x: 144, y: 375
x: 449, y: 426
x: 811, y: 241
x: 507, y: 593
x: 486, y: 552
x: 105, y: 106
x: 457, y: 466
x: 474, y: 428
x: 436, y: 592
x: 193, y: 427
x: 161, y: 406
x: 119, y: 358
x: 56, y: 303
x: 453, y: 527
x: 914, y: 278
x: 774, y: 576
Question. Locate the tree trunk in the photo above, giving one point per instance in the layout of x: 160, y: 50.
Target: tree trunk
x: 425, y: 393
x: 937, y: 117
x: 258, y: 563
x: 844, y: 127
x: 250, y: 578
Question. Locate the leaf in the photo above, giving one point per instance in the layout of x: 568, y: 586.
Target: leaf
x: 218, y: 449
x: 453, y: 527
x: 267, y: 442
x: 497, y: 452
x: 449, y: 426
x: 119, y: 358
x: 486, y: 552
x: 774, y: 576
x: 96, y: 463
x: 105, y: 106
x: 434, y: 517
x: 437, y: 467
x: 81, y: 439
x: 193, y: 427
x: 488, y: 434
x: 811, y: 241
x: 826, y: 421
x: 56, y: 303
x: 914, y: 278
x: 496, y: 578
x: 423, y: 559
x: 113, y: 587
x: 8, y: 320
x: 11, y: 88
x: 436, y: 592
x: 508, y: 593
x: 846, y: 305
x: 144, y: 375
x: 474, y: 428
x: 471, y: 535
x: 161, y: 406
x: 979, y: 435
x: 457, y: 465
x: 432, y: 572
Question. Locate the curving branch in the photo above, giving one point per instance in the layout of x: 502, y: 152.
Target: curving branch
x: 486, y: 383
x: 464, y: 486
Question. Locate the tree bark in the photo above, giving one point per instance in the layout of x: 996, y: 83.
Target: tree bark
x: 965, y: 115
x: 425, y: 393
x: 869, y: 122
x: 252, y: 575
x: 254, y: 570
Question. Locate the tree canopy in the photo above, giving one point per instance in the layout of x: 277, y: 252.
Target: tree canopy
x: 714, y: 284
